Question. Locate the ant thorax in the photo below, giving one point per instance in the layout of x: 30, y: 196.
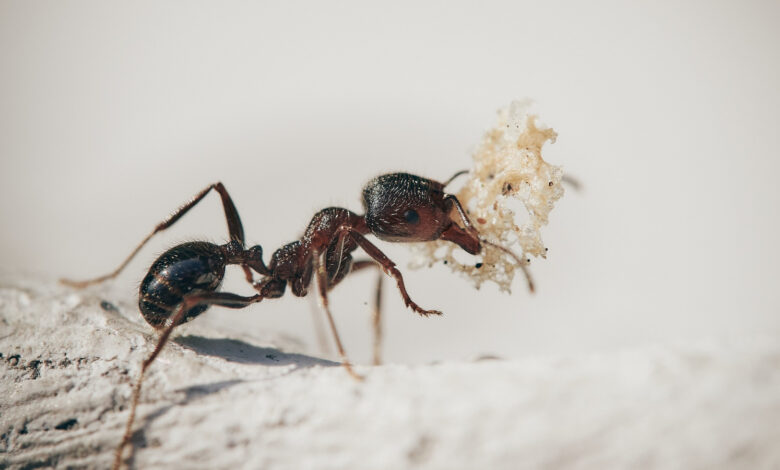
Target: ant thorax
x: 508, y: 195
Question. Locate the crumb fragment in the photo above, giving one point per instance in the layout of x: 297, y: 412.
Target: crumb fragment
x: 508, y: 167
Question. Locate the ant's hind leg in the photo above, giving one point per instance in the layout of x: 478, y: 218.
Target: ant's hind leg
x: 322, y: 289
x: 235, y: 230
x: 223, y: 299
x: 377, y: 313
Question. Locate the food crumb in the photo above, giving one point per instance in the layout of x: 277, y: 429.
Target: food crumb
x: 508, y: 165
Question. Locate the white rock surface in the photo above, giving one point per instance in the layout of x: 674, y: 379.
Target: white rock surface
x: 213, y: 401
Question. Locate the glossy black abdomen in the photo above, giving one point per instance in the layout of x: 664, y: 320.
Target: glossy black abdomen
x: 189, y: 268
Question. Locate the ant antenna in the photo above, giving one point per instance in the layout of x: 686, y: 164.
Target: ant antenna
x: 572, y: 181
x: 520, y: 262
x: 470, y: 227
x: 461, y: 172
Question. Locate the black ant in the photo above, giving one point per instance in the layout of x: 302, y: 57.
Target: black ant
x: 184, y: 281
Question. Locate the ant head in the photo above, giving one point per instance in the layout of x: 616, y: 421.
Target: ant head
x: 406, y: 208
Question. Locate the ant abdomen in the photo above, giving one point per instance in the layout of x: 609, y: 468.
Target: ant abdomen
x: 189, y: 268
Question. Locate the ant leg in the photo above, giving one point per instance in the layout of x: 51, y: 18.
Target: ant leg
x: 377, y: 314
x: 322, y: 288
x: 235, y: 229
x: 223, y: 299
x: 378, y: 319
x: 319, y: 330
x: 388, y: 266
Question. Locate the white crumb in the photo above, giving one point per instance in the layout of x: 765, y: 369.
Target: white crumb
x: 508, y: 167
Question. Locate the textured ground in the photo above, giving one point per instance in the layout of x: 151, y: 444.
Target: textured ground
x: 213, y: 401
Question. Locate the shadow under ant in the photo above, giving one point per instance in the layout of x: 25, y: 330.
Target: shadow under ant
x: 235, y: 350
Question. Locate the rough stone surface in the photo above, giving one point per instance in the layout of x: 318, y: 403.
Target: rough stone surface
x: 211, y: 401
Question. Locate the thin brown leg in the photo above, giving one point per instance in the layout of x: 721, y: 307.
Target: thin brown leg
x: 235, y: 229
x: 223, y: 299
x: 378, y: 320
x: 322, y: 288
x: 388, y: 266
x: 377, y: 313
x: 319, y: 330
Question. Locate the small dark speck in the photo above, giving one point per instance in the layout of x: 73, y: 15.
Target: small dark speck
x: 67, y: 424
x: 271, y: 357
x: 35, y: 367
x: 478, y: 265
x: 546, y: 249
x: 445, y: 261
x: 528, y: 260
x: 550, y: 183
x: 108, y: 306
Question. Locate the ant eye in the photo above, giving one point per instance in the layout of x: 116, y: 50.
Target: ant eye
x: 411, y: 216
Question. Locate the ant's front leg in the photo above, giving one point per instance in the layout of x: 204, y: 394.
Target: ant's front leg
x: 387, y: 265
x: 235, y: 229
x: 223, y: 299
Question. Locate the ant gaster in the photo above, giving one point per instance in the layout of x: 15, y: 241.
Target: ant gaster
x: 184, y: 281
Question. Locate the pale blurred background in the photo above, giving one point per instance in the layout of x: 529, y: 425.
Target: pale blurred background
x: 113, y: 114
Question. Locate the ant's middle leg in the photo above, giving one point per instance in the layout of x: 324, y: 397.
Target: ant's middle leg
x: 377, y: 313
x: 235, y: 229
x: 322, y: 288
x: 224, y: 299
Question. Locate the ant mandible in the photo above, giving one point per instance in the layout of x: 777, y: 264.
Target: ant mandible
x: 184, y: 281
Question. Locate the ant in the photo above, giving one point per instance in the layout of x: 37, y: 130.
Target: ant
x: 184, y: 281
